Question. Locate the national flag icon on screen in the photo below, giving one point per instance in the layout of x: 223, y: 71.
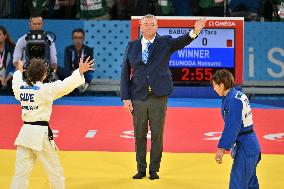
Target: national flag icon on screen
x: 229, y: 42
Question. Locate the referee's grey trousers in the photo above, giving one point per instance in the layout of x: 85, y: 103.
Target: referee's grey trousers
x: 150, y: 112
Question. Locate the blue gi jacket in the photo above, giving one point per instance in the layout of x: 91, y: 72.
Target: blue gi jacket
x: 237, y: 116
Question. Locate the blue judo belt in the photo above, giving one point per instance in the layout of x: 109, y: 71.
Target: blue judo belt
x: 42, y: 123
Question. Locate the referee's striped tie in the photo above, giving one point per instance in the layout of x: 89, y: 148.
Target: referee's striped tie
x: 145, y: 53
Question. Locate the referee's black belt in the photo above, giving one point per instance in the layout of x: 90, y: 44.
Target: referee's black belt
x: 42, y: 123
x: 246, y: 132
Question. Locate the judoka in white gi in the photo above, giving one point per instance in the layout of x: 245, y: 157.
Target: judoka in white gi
x: 35, y: 139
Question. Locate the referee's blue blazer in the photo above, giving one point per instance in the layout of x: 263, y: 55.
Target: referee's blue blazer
x: 156, y: 73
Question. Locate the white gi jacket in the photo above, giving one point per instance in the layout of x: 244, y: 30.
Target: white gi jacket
x: 36, y: 102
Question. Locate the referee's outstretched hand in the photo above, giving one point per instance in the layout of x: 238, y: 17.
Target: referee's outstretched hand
x: 199, y: 25
x: 86, y: 66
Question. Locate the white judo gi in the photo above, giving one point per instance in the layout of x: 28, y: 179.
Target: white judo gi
x: 32, y: 141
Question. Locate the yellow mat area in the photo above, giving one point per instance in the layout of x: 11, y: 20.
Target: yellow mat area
x: 107, y: 170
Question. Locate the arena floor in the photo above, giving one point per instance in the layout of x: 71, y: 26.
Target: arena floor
x: 95, y: 136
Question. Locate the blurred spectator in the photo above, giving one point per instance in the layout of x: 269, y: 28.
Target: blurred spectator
x: 123, y: 9
x: 35, y: 23
x: 249, y: 9
x: 211, y: 8
x: 145, y: 7
x: 273, y: 10
x: 165, y: 7
x: 26, y: 8
x: 5, y: 8
x: 40, y: 7
x: 155, y: 7
x: 72, y: 55
x: 94, y: 9
x: 6, y: 61
x: 182, y: 7
x: 281, y: 11
x: 19, y: 9
x: 64, y: 9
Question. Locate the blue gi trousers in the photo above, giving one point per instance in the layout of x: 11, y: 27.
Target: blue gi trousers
x: 243, y: 173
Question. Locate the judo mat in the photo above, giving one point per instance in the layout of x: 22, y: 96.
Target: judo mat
x: 95, y: 136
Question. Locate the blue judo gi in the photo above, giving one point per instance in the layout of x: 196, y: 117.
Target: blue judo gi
x: 239, y: 136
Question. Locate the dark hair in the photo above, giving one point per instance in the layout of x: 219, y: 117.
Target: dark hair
x: 35, y: 15
x: 78, y: 30
x: 223, y: 76
x: 8, y: 39
x: 35, y: 71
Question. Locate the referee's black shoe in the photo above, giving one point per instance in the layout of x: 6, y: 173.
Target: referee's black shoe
x: 139, y: 175
x: 153, y: 176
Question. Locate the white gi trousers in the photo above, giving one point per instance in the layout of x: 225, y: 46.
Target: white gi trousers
x: 25, y: 160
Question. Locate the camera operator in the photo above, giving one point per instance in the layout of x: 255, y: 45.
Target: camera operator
x: 35, y: 23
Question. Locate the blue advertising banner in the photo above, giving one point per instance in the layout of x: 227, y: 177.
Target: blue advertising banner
x: 264, y: 51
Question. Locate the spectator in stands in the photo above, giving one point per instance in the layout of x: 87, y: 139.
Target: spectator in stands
x: 35, y: 23
x: 6, y: 61
x: 123, y: 9
x: 274, y: 10
x: 250, y: 9
x: 183, y: 8
x: 211, y: 8
x: 164, y: 7
x: 157, y: 7
x: 94, y: 9
x: 72, y: 55
x: 145, y: 7
x: 19, y: 9
x: 41, y: 7
x: 64, y: 9
x: 26, y: 8
x: 5, y: 8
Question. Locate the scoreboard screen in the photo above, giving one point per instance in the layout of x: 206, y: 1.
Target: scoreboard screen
x: 218, y: 46
x: 211, y: 50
